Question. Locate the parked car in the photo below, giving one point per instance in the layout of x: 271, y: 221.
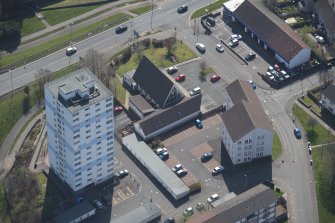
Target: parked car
x: 195, y: 91
x: 182, y: 9
x: 276, y: 67
x: 215, y: 78
x: 170, y: 220
x: 123, y: 173
x: 297, y: 133
x: 320, y: 39
x: 188, y: 211
x: 201, y: 47
x: 121, y: 29
x: 200, y: 206
x: 219, y: 48
x: 98, y: 204
x: 253, y: 85
x: 107, y: 200
x: 181, y: 173
x: 159, y: 151
x: 233, y: 43
x: 71, y: 50
x: 235, y: 36
x: 217, y: 170
x: 310, y: 150
x: 172, y: 69
x: 118, y: 109
x: 206, y: 156
x: 198, y: 123
x: 177, y: 167
x: 250, y: 56
x: 210, y: 21
x: 212, y: 198
x: 311, y: 162
x: 164, y: 156
x: 180, y: 77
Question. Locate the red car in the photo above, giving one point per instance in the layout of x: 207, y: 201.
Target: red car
x: 276, y: 67
x: 215, y: 78
x: 118, y: 109
x: 180, y: 77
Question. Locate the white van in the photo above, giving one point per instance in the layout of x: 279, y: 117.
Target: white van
x: 195, y: 91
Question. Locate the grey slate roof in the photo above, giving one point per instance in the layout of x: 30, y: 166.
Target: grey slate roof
x: 241, y: 90
x: 163, y: 117
x: 274, y: 32
x: 74, y: 213
x: 140, y: 103
x: 239, y: 207
x: 142, y: 214
x: 329, y: 93
x: 153, y: 81
x: 247, y: 112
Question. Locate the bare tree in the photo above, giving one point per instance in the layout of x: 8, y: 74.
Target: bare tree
x: 203, y: 66
x: 98, y: 64
x: 42, y: 77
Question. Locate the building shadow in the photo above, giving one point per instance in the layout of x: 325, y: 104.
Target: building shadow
x: 242, y: 177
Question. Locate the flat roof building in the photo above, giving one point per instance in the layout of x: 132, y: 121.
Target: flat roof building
x: 80, y: 126
x: 163, y: 174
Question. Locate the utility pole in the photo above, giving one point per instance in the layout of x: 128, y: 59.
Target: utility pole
x: 152, y: 11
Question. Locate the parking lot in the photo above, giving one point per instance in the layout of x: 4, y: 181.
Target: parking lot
x: 213, y: 94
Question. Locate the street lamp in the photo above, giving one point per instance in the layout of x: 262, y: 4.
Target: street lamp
x: 152, y: 11
x: 246, y: 180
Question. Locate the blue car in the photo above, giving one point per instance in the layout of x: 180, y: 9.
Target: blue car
x: 253, y: 85
x: 297, y: 133
x: 206, y: 156
x: 198, y: 123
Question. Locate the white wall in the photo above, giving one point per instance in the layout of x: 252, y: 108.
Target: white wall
x: 164, y: 129
x: 326, y: 103
x: 302, y: 57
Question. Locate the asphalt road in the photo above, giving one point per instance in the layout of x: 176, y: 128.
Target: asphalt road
x: 295, y: 177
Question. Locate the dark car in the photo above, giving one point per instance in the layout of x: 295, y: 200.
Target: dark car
x: 297, y: 133
x: 198, y: 123
x: 169, y: 220
x: 121, y: 29
x: 210, y: 21
x: 206, y: 156
x: 182, y: 9
x: 164, y: 156
x: 250, y: 56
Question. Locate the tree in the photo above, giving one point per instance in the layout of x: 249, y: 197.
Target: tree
x: 42, y: 77
x: 203, y: 66
x: 98, y: 64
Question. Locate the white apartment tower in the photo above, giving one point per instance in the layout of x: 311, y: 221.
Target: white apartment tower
x: 80, y: 125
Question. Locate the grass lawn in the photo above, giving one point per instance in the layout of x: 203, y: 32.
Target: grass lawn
x: 324, y: 215
x: 120, y: 91
x: 276, y: 148
x: 141, y: 10
x: 307, y: 100
x: 61, y: 42
x: 208, y: 70
x: 72, y: 2
x: 55, y: 16
x: 4, y: 215
x: 12, y: 108
x: 316, y: 134
x: 128, y: 3
x: 202, y: 11
x: 31, y: 25
x: 157, y: 56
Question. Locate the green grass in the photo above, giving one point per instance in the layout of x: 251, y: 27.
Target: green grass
x: 316, y: 134
x: 4, y: 215
x: 202, y: 11
x: 307, y: 101
x: 61, y: 42
x: 141, y: 10
x: 128, y: 3
x: 324, y: 214
x: 72, y: 2
x: 55, y: 16
x: 120, y: 91
x: 157, y: 56
x: 208, y: 70
x: 276, y: 147
x: 31, y: 25
x: 12, y: 108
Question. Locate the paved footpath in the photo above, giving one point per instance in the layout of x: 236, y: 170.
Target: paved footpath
x: 7, y: 159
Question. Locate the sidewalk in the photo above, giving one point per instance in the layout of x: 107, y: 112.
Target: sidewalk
x: 7, y: 159
x: 67, y: 24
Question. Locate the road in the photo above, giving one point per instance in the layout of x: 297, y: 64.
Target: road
x: 295, y: 177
